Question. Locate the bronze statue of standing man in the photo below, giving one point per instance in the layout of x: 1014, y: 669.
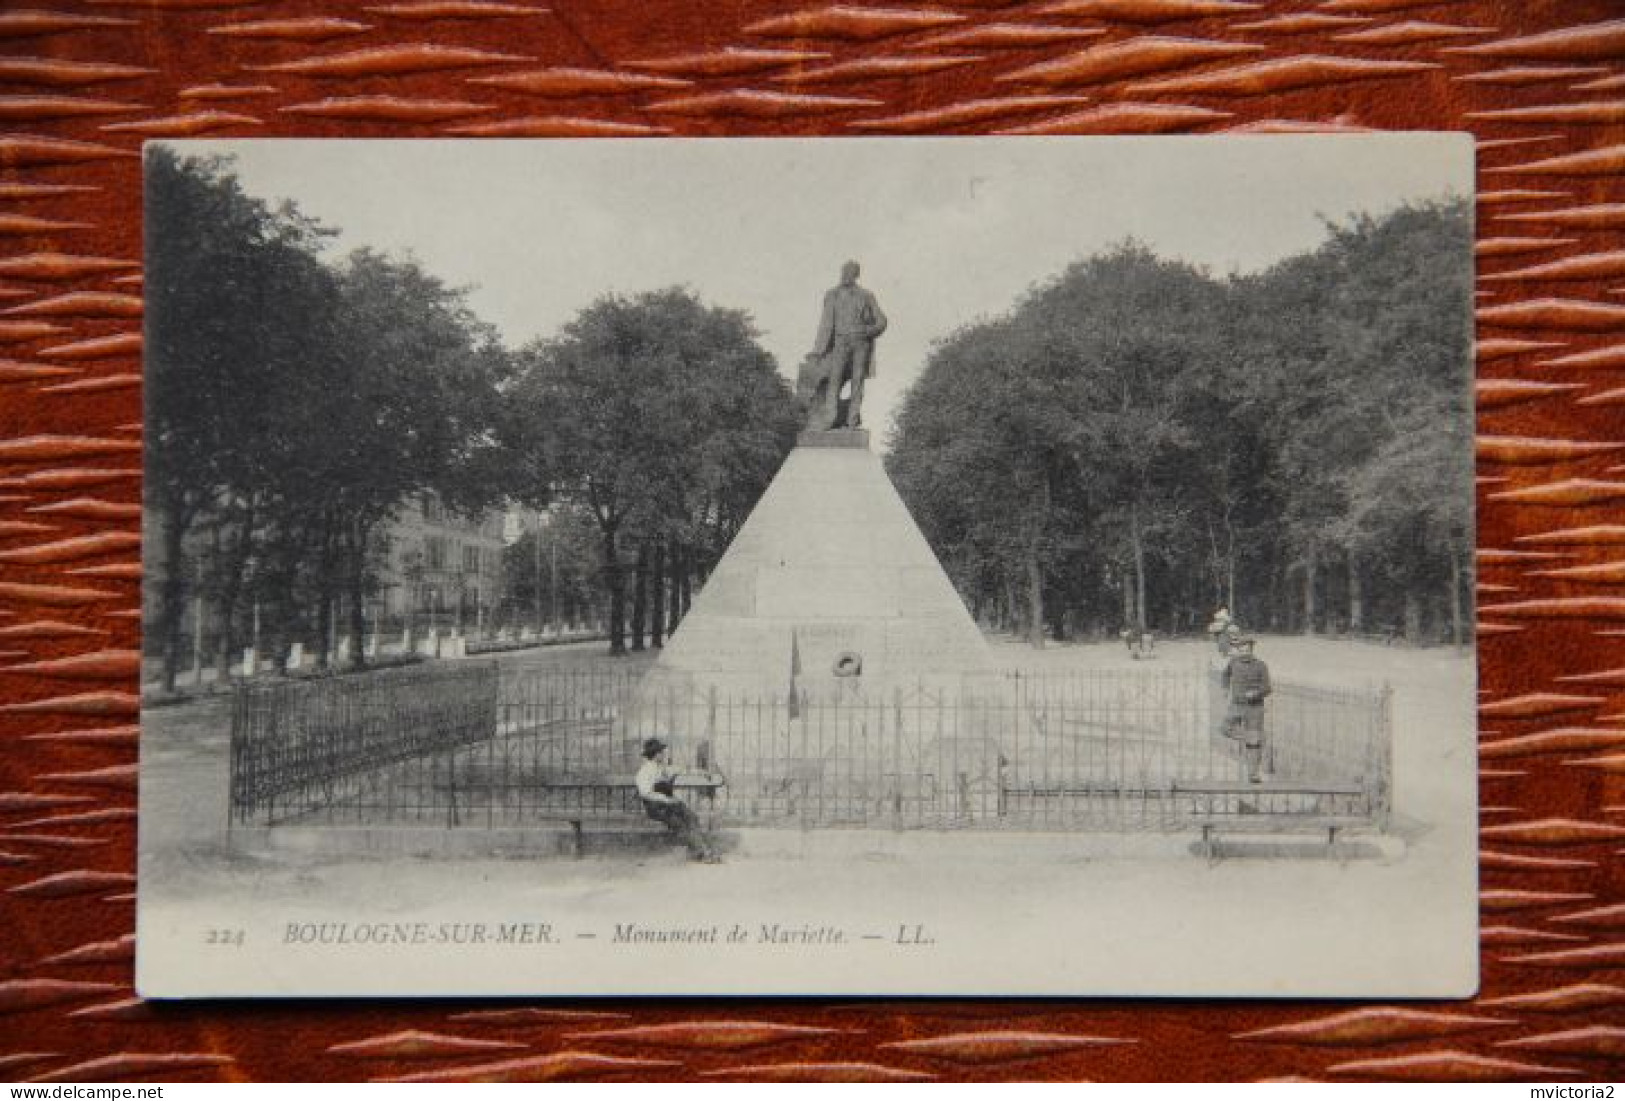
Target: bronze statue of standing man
x: 844, y: 351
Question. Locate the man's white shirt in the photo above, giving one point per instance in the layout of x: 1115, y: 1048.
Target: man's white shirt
x: 650, y: 773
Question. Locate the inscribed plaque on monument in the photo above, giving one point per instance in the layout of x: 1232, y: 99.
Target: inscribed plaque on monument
x: 1028, y: 566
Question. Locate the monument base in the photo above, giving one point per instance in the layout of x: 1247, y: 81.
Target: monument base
x: 829, y: 587
x: 828, y: 660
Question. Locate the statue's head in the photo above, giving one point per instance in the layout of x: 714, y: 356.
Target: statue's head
x: 849, y: 272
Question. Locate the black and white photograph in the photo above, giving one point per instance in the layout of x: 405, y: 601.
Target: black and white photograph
x: 870, y: 567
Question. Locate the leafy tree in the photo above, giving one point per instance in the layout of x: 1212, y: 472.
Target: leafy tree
x: 555, y: 572
x: 980, y: 448
x: 660, y: 415
x: 1138, y: 439
x: 408, y: 405
x: 1371, y: 337
x: 1135, y: 336
x: 1068, y: 424
x: 241, y: 306
x: 294, y: 406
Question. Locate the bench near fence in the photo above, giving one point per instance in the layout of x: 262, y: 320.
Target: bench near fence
x: 611, y: 803
x: 588, y: 802
x: 1278, y: 806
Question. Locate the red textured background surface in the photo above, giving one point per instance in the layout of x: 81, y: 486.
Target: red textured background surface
x: 1542, y: 84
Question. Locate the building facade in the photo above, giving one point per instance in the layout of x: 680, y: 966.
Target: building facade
x: 440, y: 568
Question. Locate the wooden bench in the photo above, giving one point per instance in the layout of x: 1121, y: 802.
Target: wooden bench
x: 1313, y: 820
x: 604, y: 801
x: 611, y: 802
x: 1276, y: 823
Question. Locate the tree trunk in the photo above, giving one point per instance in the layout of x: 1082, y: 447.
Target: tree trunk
x: 1137, y: 545
x: 674, y: 586
x: 231, y: 591
x: 1413, y: 618
x: 324, y: 629
x: 1310, y: 570
x: 1128, y: 603
x: 615, y: 588
x: 640, y: 597
x: 277, y: 646
x: 536, y: 577
x: 1457, y: 634
x: 1229, y: 563
x: 1035, y: 598
x: 685, y: 577
x: 331, y: 560
x: 657, y: 595
x: 1356, y: 597
x: 358, y: 597
x: 173, y: 592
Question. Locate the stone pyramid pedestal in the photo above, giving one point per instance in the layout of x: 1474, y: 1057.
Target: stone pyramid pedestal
x: 828, y: 661
x: 828, y: 584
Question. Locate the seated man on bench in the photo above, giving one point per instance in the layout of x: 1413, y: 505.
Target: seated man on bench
x: 657, y: 790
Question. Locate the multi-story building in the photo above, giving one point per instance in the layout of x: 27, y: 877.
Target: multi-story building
x: 439, y: 567
x: 434, y: 568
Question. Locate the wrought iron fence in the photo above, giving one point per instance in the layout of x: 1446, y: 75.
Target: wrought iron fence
x: 303, y: 746
x: 1111, y: 749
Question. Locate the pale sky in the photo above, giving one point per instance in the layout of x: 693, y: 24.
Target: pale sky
x: 947, y: 229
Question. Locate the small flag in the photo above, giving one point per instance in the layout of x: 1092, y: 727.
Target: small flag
x: 795, y: 671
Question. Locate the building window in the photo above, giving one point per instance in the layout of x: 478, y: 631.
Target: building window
x: 471, y: 560
x: 435, y: 545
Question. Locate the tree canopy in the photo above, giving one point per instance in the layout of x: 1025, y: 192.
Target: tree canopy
x: 1137, y: 442
x: 1132, y: 444
x: 662, y: 416
x: 295, y: 404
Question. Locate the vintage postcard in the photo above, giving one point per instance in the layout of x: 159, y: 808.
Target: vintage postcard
x: 1007, y: 566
